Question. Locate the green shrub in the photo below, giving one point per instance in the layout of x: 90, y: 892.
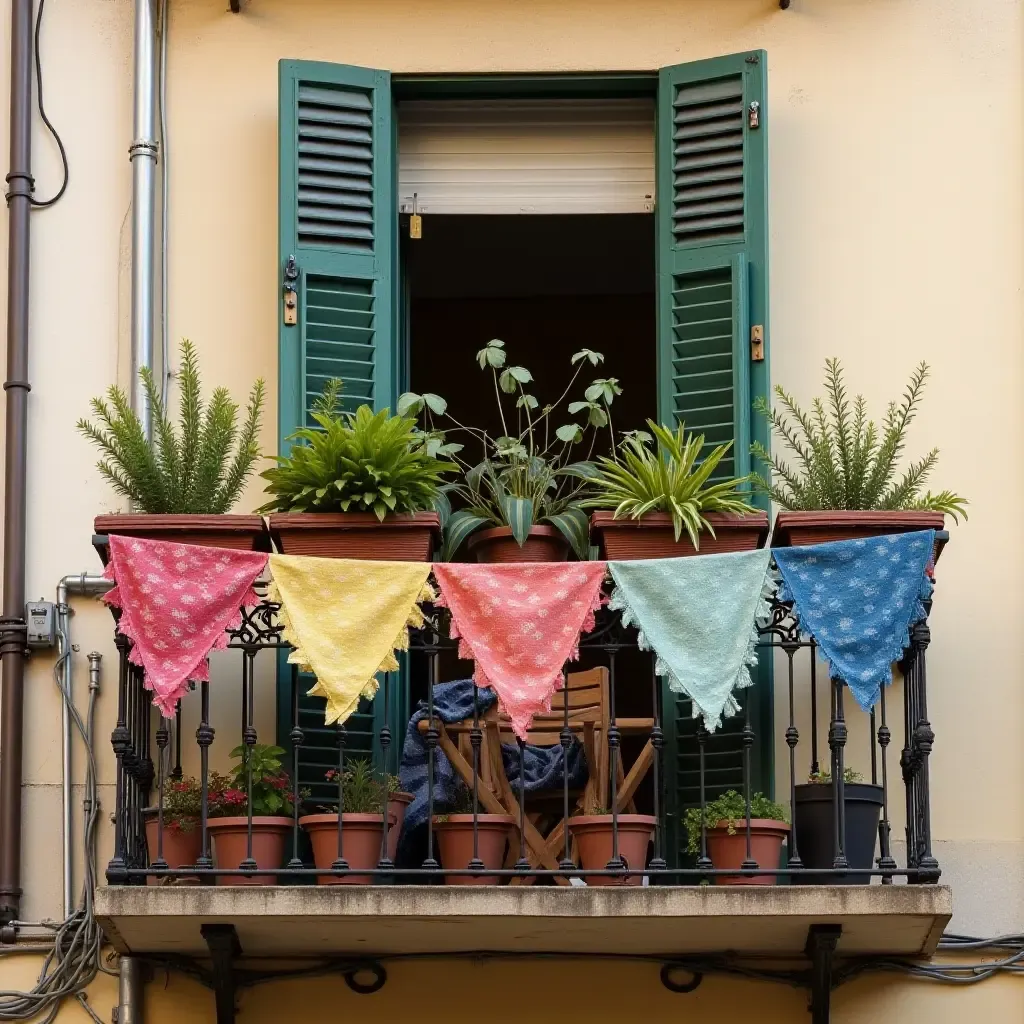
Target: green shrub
x: 843, y: 460
x: 354, y: 462
x: 183, y: 470
x: 731, y: 808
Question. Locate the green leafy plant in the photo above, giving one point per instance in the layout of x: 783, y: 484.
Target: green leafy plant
x: 731, y: 808
x: 844, y: 461
x: 674, y: 479
x: 183, y: 801
x: 271, y: 784
x: 529, y: 475
x: 362, y: 789
x: 355, y: 462
x: 825, y: 777
x: 183, y: 469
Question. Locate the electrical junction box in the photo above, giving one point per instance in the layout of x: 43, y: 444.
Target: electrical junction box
x: 41, y: 617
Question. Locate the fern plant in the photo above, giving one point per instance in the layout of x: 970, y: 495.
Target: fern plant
x: 354, y: 462
x: 844, y: 461
x: 198, y: 466
x: 638, y: 480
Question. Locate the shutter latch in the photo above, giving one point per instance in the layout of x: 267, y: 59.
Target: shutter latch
x: 754, y: 114
x: 757, y: 343
x: 291, y: 294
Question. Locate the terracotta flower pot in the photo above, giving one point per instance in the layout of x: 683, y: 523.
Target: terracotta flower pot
x: 361, y: 836
x: 593, y: 835
x: 798, y: 529
x: 410, y: 537
x: 230, y: 845
x: 455, y: 843
x: 544, y: 544
x: 652, y: 535
x: 181, y: 849
x: 398, y: 804
x: 729, y: 851
x: 246, y: 533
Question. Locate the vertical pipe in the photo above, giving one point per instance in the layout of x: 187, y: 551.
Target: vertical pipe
x: 64, y: 656
x: 130, y: 991
x: 143, y: 156
x: 12, y: 625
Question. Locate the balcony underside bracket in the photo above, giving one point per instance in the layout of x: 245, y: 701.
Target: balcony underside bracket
x: 222, y: 941
x: 821, y: 946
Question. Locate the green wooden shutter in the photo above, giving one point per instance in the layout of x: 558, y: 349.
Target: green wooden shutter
x: 712, y: 231
x: 338, y: 222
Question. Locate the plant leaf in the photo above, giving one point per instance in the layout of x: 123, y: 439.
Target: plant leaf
x: 460, y: 526
x: 569, y: 432
x: 435, y: 403
x: 574, y: 525
x: 518, y: 514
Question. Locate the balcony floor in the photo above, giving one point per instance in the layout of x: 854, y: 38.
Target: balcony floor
x: 899, y: 920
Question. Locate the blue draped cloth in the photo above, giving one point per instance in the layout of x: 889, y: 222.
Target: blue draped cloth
x: 858, y: 599
x: 453, y: 702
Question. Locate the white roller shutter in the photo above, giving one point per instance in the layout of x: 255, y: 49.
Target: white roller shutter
x: 526, y: 156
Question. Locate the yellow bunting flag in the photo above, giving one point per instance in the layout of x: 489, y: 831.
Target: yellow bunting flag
x: 345, y: 618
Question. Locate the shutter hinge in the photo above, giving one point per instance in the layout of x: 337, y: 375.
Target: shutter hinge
x: 754, y: 114
x: 291, y: 294
x: 757, y: 343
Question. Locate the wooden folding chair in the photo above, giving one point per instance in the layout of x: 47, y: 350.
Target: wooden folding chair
x: 589, y: 717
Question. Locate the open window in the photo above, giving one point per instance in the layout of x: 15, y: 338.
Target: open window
x: 539, y: 228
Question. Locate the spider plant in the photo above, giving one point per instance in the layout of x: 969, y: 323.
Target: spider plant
x: 639, y: 479
x: 530, y: 474
x: 844, y: 461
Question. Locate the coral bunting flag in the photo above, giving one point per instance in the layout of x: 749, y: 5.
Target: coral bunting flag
x: 521, y: 622
x: 177, y: 602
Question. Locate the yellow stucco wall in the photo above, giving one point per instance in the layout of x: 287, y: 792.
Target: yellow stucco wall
x: 896, y: 234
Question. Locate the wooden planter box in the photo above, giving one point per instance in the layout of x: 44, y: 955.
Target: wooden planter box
x: 652, y: 535
x: 798, y: 529
x: 242, y: 533
x: 410, y: 537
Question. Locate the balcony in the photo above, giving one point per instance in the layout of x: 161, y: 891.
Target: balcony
x: 651, y: 759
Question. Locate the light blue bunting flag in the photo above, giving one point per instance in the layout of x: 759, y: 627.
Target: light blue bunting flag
x: 858, y: 599
x: 698, y: 615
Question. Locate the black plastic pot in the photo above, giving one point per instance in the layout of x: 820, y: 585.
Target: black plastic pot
x: 815, y: 830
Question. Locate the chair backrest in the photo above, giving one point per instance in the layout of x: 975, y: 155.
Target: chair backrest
x: 587, y: 694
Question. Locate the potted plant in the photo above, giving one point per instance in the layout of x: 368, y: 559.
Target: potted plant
x: 454, y: 832
x: 814, y: 826
x: 183, y: 480
x: 593, y: 835
x: 362, y: 825
x: 649, y: 497
x: 271, y: 809
x: 182, y: 836
x: 844, y: 485
x: 357, y: 485
x: 725, y: 821
x: 521, y: 502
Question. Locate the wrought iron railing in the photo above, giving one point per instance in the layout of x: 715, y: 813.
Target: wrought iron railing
x: 149, y: 752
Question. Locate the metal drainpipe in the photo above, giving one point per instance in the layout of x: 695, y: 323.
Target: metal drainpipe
x: 12, y: 624
x: 143, y: 155
x: 86, y: 584
x: 130, y: 991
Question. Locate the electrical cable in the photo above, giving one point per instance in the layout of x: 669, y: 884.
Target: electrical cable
x: 42, y: 204
x: 74, y: 958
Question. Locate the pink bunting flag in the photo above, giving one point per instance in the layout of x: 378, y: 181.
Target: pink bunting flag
x: 521, y: 622
x: 177, y: 601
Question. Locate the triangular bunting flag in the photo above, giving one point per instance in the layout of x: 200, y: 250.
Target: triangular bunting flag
x: 177, y: 601
x: 858, y: 599
x: 698, y: 615
x: 345, y: 618
x: 521, y: 622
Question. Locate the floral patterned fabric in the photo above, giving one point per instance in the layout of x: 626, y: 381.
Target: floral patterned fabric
x: 858, y: 599
x: 520, y: 623
x: 698, y: 615
x: 177, y: 601
x: 345, y: 618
